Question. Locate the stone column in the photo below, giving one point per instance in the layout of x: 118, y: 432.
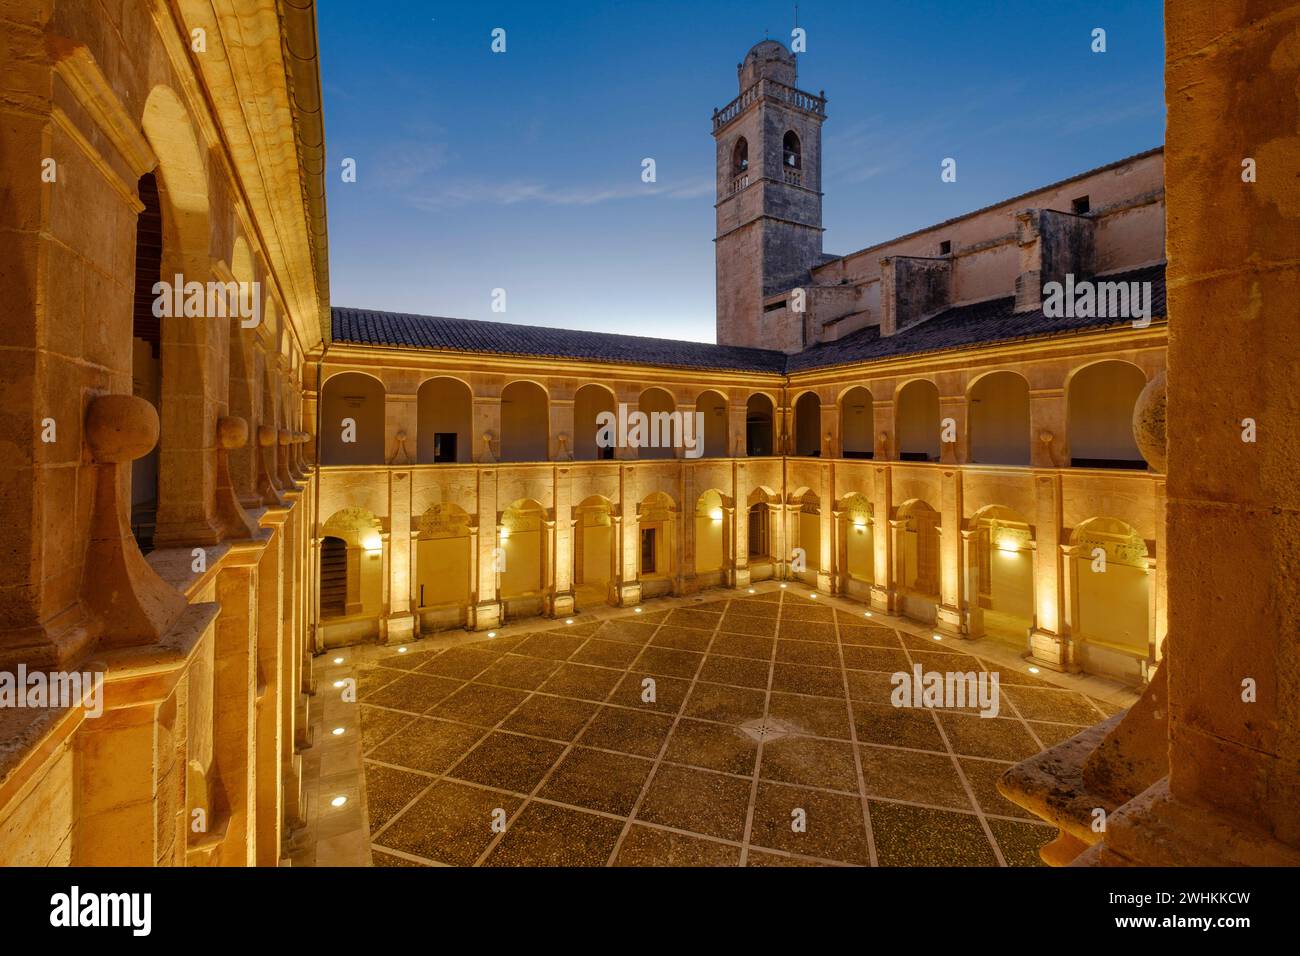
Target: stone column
x: 885, y: 437
x: 1047, y: 437
x: 950, y: 572
x: 487, y: 612
x: 401, y: 620
x: 1049, y: 644
x: 884, y: 541
x: 564, y: 541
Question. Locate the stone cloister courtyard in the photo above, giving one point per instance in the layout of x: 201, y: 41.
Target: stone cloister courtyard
x: 770, y: 708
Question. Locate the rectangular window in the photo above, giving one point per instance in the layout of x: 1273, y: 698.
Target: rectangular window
x: 444, y: 447
x: 648, y: 550
x: 1080, y: 205
x: 945, y: 247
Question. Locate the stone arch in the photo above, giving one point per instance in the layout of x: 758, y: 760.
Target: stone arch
x: 916, y: 407
x: 713, y: 406
x: 791, y: 150
x: 525, y: 422
x: 740, y: 157
x: 1100, y: 398
x: 658, y: 405
x: 857, y: 423
x: 998, y: 423
x: 191, y: 344
x: 589, y: 402
x: 444, y: 421
x: 1001, y: 575
x: 352, y: 407
x: 808, y: 425
x: 759, y: 415
x: 360, y: 575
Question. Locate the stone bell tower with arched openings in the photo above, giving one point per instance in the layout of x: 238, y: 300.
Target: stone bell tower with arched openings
x: 769, y: 208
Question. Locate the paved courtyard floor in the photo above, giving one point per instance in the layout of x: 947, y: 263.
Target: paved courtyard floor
x: 735, y: 729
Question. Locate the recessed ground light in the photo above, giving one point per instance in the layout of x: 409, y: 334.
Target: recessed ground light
x: 339, y: 683
x: 338, y: 731
x: 936, y: 637
x: 338, y: 660
x: 752, y: 591
x: 866, y: 614
x: 338, y: 801
x: 568, y: 620
x: 785, y: 585
x: 1033, y: 670
x: 638, y: 610
x: 492, y: 633
x: 401, y: 650
x: 813, y: 595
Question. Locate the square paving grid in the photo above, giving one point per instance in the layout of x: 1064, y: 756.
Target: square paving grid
x: 547, y: 748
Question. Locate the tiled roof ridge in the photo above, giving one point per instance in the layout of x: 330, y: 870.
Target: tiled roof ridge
x: 968, y: 324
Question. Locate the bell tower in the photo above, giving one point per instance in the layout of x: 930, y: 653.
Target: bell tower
x: 769, y: 208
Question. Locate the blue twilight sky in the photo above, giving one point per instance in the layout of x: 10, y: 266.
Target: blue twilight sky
x: 522, y: 170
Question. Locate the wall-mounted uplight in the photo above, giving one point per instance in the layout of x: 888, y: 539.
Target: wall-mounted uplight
x: 716, y: 515
x: 372, y: 542
x: 860, y: 525
x: 503, y: 534
x: 1008, y: 544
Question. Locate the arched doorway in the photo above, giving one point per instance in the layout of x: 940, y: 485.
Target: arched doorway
x: 445, y: 411
x: 657, y: 551
x: 1001, y: 575
x: 595, y: 551
x: 999, y: 419
x: 443, y: 568
x: 351, y: 574
x: 1099, y: 425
